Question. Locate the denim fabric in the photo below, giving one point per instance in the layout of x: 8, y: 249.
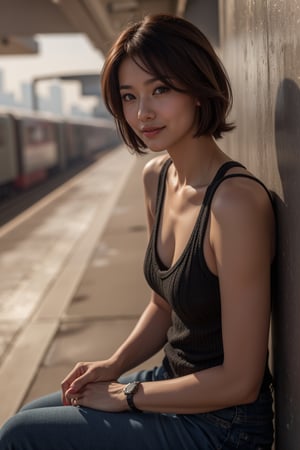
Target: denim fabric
x: 45, y: 424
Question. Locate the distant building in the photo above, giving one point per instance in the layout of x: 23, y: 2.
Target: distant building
x: 51, y: 102
x: 56, y: 99
x: 76, y: 111
x: 1, y: 81
x: 26, y: 99
x: 100, y: 109
x: 6, y: 98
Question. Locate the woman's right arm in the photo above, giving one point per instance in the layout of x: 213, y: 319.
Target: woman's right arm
x: 149, y: 334
x: 146, y: 339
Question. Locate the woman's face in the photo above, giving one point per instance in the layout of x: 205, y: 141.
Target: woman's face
x: 160, y: 116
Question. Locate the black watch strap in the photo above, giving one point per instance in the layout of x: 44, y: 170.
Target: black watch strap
x: 131, y: 403
x: 129, y: 390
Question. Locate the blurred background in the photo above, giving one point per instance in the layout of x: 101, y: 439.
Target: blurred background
x: 55, y: 55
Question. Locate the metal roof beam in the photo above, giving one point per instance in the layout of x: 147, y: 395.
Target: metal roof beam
x: 16, y: 45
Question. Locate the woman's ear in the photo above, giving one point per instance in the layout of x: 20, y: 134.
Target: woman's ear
x: 198, y: 103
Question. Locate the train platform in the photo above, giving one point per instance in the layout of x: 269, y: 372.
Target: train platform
x: 72, y: 284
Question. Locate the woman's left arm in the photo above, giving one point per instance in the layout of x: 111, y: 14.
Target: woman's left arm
x: 241, y: 237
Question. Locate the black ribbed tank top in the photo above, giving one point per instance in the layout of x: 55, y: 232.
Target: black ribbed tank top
x: 195, y: 336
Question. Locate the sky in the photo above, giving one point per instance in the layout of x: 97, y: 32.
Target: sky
x: 57, y: 53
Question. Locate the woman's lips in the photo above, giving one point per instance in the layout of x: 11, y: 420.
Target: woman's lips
x: 151, y: 131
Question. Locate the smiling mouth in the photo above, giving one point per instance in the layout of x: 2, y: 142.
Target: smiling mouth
x: 151, y: 132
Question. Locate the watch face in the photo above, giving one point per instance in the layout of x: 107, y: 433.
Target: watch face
x: 131, y: 388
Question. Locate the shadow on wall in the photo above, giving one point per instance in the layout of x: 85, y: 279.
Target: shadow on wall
x: 286, y: 326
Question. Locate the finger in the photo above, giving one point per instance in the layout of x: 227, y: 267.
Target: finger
x: 76, y: 401
x: 78, y: 370
x: 82, y: 380
x: 72, y: 397
x: 70, y: 394
x: 65, y: 399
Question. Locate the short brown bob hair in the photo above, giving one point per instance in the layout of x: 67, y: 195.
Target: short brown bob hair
x: 171, y: 49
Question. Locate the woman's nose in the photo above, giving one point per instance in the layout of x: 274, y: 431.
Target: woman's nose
x: 145, y: 111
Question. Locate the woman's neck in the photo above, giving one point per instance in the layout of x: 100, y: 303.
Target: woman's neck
x: 196, y: 165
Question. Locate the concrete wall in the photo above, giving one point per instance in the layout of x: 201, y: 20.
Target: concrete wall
x: 260, y: 47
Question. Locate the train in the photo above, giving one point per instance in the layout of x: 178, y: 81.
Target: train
x: 34, y: 145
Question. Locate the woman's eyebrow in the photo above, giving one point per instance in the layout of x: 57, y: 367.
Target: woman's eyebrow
x: 149, y: 81
x: 125, y: 86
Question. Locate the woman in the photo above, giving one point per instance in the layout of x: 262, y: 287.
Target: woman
x: 208, y: 262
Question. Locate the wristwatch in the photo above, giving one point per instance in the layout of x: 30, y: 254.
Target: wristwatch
x: 129, y: 390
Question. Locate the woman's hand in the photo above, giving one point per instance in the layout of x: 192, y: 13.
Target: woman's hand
x: 85, y: 373
x: 105, y: 396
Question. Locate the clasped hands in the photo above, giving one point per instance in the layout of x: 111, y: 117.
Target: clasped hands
x: 92, y: 384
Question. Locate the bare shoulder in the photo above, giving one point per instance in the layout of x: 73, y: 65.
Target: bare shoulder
x: 152, y: 169
x: 242, y: 202
x: 151, y: 173
x: 239, y: 195
x: 243, y: 221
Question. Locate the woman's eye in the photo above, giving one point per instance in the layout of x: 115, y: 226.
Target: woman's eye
x: 161, y: 90
x: 127, y: 97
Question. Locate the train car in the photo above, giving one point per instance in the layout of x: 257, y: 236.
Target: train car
x: 71, y: 141
x: 8, y: 156
x: 29, y: 147
x: 32, y: 145
x: 38, y: 149
x: 89, y: 136
x: 108, y: 137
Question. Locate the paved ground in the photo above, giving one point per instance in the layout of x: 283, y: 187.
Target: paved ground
x: 81, y: 287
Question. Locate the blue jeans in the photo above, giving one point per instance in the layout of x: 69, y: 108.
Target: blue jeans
x: 45, y: 424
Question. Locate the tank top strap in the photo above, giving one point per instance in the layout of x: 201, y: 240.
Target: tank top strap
x: 163, y: 174
x: 218, y: 179
x: 221, y: 176
x: 251, y: 177
x: 224, y: 168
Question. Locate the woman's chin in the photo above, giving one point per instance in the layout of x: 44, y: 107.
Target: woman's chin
x: 156, y: 148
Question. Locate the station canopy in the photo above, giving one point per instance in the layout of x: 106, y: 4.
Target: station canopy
x: 100, y: 20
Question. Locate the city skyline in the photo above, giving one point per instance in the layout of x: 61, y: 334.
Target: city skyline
x: 51, y: 101
x: 72, y: 53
